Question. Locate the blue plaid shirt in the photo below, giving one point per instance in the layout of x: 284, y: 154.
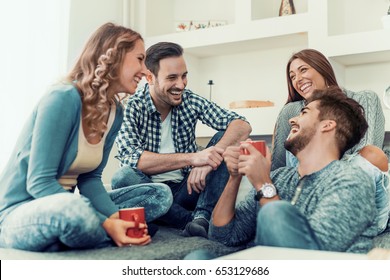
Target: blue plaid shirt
x: 141, y: 127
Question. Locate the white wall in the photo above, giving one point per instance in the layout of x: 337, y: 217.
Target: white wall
x: 242, y: 76
x: 85, y: 17
x: 374, y: 77
x: 357, y: 20
x: 33, y: 48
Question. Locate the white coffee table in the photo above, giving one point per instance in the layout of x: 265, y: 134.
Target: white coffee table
x: 277, y: 253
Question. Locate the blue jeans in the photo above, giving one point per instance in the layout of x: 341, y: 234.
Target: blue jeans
x: 380, y: 178
x: 185, y: 207
x: 280, y: 224
x: 200, y: 254
x: 66, y: 220
x: 382, y: 188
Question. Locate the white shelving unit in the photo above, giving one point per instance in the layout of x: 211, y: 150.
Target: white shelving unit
x: 246, y: 58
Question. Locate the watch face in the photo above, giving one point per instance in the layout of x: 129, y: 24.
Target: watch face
x: 268, y: 191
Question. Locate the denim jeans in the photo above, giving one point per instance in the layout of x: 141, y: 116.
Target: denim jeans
x: 185, y: 207
x: 382, y: 185
x: 382, y: 188
x: 200, y: 254
x: 280, y: 224
x: 66, y: 220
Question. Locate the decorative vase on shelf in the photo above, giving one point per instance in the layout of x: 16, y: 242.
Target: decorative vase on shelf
x: 286, y: 8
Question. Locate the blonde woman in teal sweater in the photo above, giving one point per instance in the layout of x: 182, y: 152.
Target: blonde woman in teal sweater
x: 65, y: 145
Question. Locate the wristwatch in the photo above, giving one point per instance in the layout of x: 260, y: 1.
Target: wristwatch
x: 267, y: 190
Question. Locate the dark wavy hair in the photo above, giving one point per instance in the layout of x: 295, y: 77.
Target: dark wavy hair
x: 160, y: 51
x: 351, y: 125
x: 95, y: 69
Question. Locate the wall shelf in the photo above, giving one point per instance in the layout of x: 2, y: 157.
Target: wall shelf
x: 359, y: 48
x: 243, y: 37
x: 247, y: 57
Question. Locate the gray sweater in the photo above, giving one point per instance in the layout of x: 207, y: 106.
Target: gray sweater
x: 375, y: 134
x: 338, y: 202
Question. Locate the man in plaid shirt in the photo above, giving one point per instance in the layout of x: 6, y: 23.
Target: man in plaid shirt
x: 157, y: 141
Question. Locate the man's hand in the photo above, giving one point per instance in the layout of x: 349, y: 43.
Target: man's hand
x: 211, y: 156
x: 116, y: 229
x: 255, y: 166
x: 197, y: 178
x: 231, y: 156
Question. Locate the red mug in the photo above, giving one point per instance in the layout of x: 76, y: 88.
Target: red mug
x: 136, y: 215
x: 260, y: 145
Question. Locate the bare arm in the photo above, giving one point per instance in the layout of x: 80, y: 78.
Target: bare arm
x: 225, y: 208
x: 238, y: 130
x: 154, y: 163
x: 255, y: 167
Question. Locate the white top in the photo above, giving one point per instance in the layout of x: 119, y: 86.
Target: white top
x: 167, y: 147
x: 89, y: 156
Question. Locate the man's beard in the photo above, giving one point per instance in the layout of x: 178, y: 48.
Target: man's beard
x: 299, y: 142
x: 165, y: 96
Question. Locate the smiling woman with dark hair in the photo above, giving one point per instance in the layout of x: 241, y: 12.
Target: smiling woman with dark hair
x: 309, y: 70
x: 306, y: 71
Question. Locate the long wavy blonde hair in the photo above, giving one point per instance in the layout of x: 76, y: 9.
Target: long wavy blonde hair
x: 95, y: 70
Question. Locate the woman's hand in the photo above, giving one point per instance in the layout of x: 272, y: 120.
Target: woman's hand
x: 116, y: 229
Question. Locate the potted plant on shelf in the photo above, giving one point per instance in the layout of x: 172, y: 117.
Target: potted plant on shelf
x: 386, y: 19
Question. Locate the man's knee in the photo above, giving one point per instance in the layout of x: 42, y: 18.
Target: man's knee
x: 275, y: 209
x: 273, y: 215
x: 128, y: 176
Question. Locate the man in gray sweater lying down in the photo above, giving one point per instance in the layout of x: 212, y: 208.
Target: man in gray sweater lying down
x: 322, y: 204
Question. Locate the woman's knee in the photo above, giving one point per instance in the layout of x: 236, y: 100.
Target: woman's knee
x: 375, y: 156
x: 275, y: 209
x: 76, y: 209
x: 164, y: 196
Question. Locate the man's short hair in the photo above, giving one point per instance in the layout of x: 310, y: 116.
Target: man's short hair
x: 160, y: 51
x: 351, y: 125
